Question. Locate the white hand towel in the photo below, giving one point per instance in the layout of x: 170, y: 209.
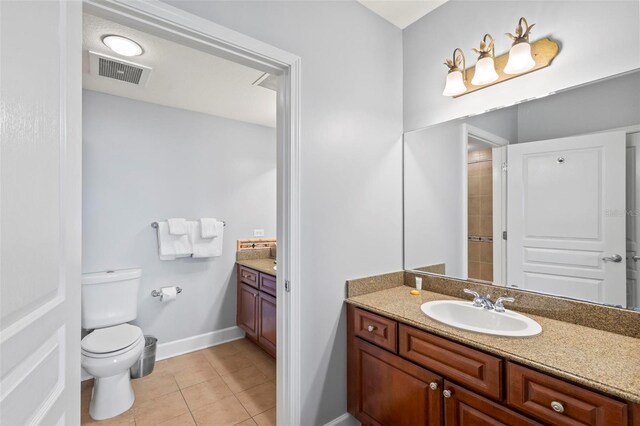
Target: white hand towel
x: 170, y: 246
x: 209, y: 227
x: 178, y: 226
x: 206, y: 247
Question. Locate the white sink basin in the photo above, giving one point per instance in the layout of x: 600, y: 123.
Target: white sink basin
x: 464, y: 315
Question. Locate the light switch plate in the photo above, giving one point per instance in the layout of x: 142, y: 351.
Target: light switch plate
x: 258, y: 232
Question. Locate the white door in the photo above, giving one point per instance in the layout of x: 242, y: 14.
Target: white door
x: 633, y: 230
x: 566, y: 210
x: 40, y: 197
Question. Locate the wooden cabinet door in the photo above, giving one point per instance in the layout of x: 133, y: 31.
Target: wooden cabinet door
x: 465, y: 408
x: 247, y: 312
x: 385, y: 389
x: 267, y: 323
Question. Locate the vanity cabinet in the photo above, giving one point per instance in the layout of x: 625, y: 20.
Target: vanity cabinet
x: 401, y: 375
x: 256, y: 307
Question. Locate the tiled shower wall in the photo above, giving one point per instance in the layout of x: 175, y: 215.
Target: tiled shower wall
x: 480, y: 212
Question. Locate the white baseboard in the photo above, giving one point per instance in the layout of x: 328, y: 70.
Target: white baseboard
x: 201, y: 341
x: 344, y: 420
x: 191, y: 344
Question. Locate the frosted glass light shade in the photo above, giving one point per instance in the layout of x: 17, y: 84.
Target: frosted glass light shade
x: 520, y: 59
x: 455, y: 84
x: 485, y: 72
x: 122, y: 45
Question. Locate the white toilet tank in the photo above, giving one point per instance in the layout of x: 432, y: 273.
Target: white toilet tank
x: 110, y: 298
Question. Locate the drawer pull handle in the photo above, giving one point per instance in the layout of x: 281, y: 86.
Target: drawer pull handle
x: 447, y: 393
x: 557, y: 407
x: 433, y: 385
x: 371, y: 328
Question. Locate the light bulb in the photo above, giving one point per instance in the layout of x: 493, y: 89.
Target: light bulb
x: 485, y: 72
x: 520, y: 59
x: 122, y: 45
x: 455, y: 84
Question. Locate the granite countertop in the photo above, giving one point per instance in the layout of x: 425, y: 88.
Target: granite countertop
x: 597, y: 359
x: 264, y: 265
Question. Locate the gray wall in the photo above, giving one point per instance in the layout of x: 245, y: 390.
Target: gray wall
x: 351, y: 183
x: 144, y: 162
x: 597, y: 39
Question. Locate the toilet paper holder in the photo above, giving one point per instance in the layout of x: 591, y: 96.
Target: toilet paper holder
x: 158, y: 293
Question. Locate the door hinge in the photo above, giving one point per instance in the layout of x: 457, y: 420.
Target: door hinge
x: 287, y: 286
x: 504, y: 167
x: 504, y: 235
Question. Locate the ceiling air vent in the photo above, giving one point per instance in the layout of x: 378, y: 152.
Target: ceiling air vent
x: 118, y: 69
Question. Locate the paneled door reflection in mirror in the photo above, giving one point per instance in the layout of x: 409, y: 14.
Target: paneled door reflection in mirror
x: 540, y: 196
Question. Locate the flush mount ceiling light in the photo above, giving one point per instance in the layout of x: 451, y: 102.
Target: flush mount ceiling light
x: 522, y: 58
x: 485, y: 67
x: 122, y: 45
x: 456, y: 77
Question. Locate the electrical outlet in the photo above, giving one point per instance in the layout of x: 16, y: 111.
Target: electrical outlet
x: 258, y: 232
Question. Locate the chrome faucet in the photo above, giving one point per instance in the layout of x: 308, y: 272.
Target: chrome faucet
x: 486, y: 303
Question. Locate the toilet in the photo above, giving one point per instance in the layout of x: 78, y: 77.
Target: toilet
x: 109, y: 301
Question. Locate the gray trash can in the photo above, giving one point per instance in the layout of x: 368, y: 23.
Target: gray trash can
x: 144, y: 366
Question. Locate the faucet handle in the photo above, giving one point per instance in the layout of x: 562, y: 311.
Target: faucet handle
x: 499, y: 304
x: 477, y: 299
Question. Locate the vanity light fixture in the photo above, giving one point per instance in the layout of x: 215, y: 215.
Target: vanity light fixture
x: 523, y: 57
x: 485, y: 67
x: 456, y: 77
x: 520, y: 59
x: 122, y: 45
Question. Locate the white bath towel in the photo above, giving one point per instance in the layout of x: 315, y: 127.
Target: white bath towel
x: 206, y: 247
x: 209, y: 227
x: 178, y: 226
x: 170, y: 246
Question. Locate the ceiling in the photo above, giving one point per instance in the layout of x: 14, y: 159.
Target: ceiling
x: 401, y: 13
x: 181, y: 77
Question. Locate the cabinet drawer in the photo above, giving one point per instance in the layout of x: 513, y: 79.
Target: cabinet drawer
x: 248, y: 276
x: 463, y: 407
x: 268, y: 284
x: 474, y: 369
x: 376, y: 329
x: 558, y: 402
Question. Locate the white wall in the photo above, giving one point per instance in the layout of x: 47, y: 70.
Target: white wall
x: 597, y: 39
x: 144, y: 162
x: 351, y: 183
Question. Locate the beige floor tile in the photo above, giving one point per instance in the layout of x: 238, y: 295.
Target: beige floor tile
x: 223, y: 350
x: 190, y: 361
x: 268, y: 369
x: 268, y: 418
x: 258, y: 356
x: 244, y: 379
x: 259, y: 399
x: 153, y: 386
x: 227, y: 411
x: 160, y: 409
x: 246, y: 345
x: 86, y: 385
x: 206, y: 393
x: 230, y: 364
x: 162, y: 367
x: 194, y: 374
x: 181, y: 420
x: 248, y: 422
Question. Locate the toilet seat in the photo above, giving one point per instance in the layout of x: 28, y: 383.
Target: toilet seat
x: 111, y: 341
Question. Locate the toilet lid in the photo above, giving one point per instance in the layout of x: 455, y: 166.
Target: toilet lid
x: 111, y: 339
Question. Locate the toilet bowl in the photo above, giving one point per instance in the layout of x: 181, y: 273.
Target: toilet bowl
x: 109, y: 302
x: 108, y: 354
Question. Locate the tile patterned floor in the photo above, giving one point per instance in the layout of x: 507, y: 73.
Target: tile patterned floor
x: 230, y: 384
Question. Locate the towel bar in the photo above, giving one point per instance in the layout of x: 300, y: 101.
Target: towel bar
x: 155, y: 224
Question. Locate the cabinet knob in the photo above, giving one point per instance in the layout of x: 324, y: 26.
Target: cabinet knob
x: 433, y: 385
x: 371, y: 328
x: 557, y: 407
x: 447, y: 393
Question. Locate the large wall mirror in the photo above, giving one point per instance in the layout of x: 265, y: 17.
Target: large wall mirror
x: 543, y: 195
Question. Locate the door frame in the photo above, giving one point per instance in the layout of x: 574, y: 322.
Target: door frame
x: 178, y: 25
x: 499, y: 203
